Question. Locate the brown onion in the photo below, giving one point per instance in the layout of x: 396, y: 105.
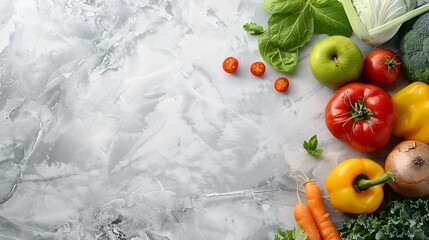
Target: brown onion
x: 409, y: 163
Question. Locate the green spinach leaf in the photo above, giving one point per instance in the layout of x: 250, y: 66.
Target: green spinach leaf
x: 328, y: 19
x: 281, y: 60
x: 282, y: 6
x: 291, y: 31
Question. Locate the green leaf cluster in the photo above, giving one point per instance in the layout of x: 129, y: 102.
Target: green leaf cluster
x: 295, y: 234
x: 398, y: 219
x: 292, y: 25
x: 311, y: 146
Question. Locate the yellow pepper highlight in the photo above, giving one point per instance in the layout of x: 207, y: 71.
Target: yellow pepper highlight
x: 412, y: 104
x: 356, y: 185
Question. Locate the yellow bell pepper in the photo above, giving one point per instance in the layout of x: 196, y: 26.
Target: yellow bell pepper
x: 356, y: 185
x: 412, y: 104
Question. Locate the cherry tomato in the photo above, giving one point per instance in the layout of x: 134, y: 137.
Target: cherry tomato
x: 361, y: 115
x: 230, y: 64
x: 281, y: 84
x: 382, y: 67
x: 257, y: 68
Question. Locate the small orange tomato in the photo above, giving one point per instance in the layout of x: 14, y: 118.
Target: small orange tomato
x: 257, y: 68
x: 230, y: 64
x: 281, y: 84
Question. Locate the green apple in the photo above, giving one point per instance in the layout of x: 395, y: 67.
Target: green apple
x: 336, y: 61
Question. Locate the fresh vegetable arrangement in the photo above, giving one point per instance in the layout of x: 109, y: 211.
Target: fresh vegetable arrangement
x: 361, y: 112
x: 292, y: 25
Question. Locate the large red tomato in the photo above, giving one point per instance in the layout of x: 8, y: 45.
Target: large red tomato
x: 361, y: 115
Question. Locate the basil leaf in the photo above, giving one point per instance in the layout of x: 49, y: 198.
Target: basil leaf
x: 291, y: 31
x: 253, y: 28
x: 281, y: 60
x: 317, y: 153
x: 311, y: 147
x: 305, y: 145
x: 313, y: 142
x: 330, y: 18
x: 282, y: 6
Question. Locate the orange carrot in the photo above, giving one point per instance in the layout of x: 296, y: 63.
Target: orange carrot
x: 326, y: 227
x: 304, y: 219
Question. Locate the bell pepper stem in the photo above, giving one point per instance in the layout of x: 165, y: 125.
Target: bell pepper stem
x: 362, y: 182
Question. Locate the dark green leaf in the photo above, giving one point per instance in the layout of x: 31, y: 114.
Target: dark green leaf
x: 282, y: 6
x: 330, y: 18
x: 253, y: 28
x: 281, y: 60
x: 291, y: 31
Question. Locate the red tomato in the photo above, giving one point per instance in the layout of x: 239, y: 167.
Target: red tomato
x: 257, y: 68
x: 230, y: 64
x: 362, y: 115
x: 281, y: 84
x: 382, y: 67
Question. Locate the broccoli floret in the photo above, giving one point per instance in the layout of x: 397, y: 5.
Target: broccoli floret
x: 414, y: 48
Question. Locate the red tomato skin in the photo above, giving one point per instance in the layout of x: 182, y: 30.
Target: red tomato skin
x: 281, y: 84
x: 377, y: 70
x: 363, y: 135
x: 257, y: 68
x: 230, y: 64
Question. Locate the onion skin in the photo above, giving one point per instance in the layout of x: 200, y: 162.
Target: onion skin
x: 409, y: 163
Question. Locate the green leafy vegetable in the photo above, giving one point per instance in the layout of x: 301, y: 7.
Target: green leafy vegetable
x: 282, y: 6
x: 281, y: 60
x: 291, y: 31
x: 295, y: 234
x: 311, y: 146
x: 292, y: 25
x: 376, y: 22
x: 398, y: 219
x: 253, y: 28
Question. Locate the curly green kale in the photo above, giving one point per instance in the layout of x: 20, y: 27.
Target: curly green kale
x: 399, y: 219
x: 414, y: 47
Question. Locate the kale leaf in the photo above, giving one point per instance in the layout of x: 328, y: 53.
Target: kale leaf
x: 398, y: 219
